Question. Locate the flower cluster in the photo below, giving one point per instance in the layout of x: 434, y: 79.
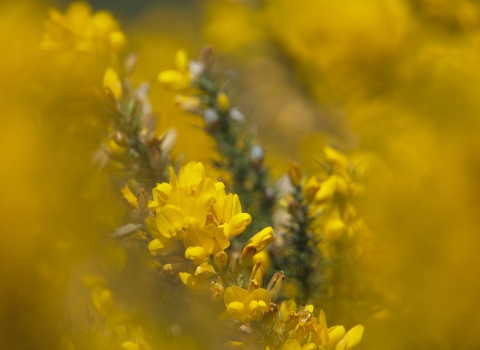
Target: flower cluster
x: 334, y: 196
x: 80, y: 31
x: 195, y: 217
x: 328, y: 226
x: 302, y: 330
x: 288, y: 327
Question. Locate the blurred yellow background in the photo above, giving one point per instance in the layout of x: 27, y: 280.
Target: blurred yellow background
x: 394, y: 82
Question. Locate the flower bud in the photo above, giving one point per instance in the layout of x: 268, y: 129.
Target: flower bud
x: 236, y: 115
x: 102, y: 300
x: 197, y: 254
x: 130, y: 63
x: 221, y: 259
x: 223, y: 102
x: 205, y: 270
x: 256, y: 278
x: 173, y: 267
x: 270, y: 314
x: 187, y: 103
x: 294, y: 208
x: 262, y: 239
x: 311, y: 188
x: 128, y: 195
x: 294, y: 173
x: 181, y: 60
x: 117, y: 40
x: 275, y: 285
x: 206, y: 57
x: 174, y: 80
x: 120, y: 138
x: 196, y: 69
x: 142, y: 200
x: 264, y: 256
x: 211, y: 118
x: 247, y: 254
x: 334, y: 228
x: 239, y: 223
x: 257, y: 272
x: 257, y: 154
x: 217, y: 289
x: 111, y: 82
x: 292, y: 320
x: 335, y: 157
x: 327, y: 189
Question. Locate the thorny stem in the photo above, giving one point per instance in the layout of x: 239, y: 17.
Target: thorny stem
x: 305, y: 255
x: 250, y: 183
x: 128, y: 121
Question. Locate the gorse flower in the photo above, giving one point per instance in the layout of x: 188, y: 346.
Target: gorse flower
x: 80, y: 30
x: 193, y: 210
x: 335, y: 198
x: 255, y: 245
x: 245, y: 306
x: 302, y: 330
x: 186, y: 72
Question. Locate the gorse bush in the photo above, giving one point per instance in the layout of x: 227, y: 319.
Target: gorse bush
x: 192, y: 226
x: 306, y: 181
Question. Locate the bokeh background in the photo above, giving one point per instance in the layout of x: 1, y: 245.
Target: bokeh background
x: 396, y: 83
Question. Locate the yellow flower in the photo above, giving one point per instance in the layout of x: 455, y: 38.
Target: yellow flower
x: 160, y: 245
x: 245, y: 306
x: 264, y: 256
x: 351, y: 338
x: 210, y: 238
x: 194, y: 201
x: 205, y: 270
x: 300, y: 327
x: 194, y: 209
x: 160, y: 195
x: 334, y: 229
x: 275, y: 284
x: 255, y: 245
x: 327, y: 189
x: 311, y: 188
x: 291, y: 344
x: 294, y: 173
x: 179, y: 79
x: 111, y: 81
x: 197, y: 254
x: 193, y: 282
x: 338, y: 160
x: 129, y: 196
x: 102, y: 298
x: 234, y: 220
x: 221, y: 259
